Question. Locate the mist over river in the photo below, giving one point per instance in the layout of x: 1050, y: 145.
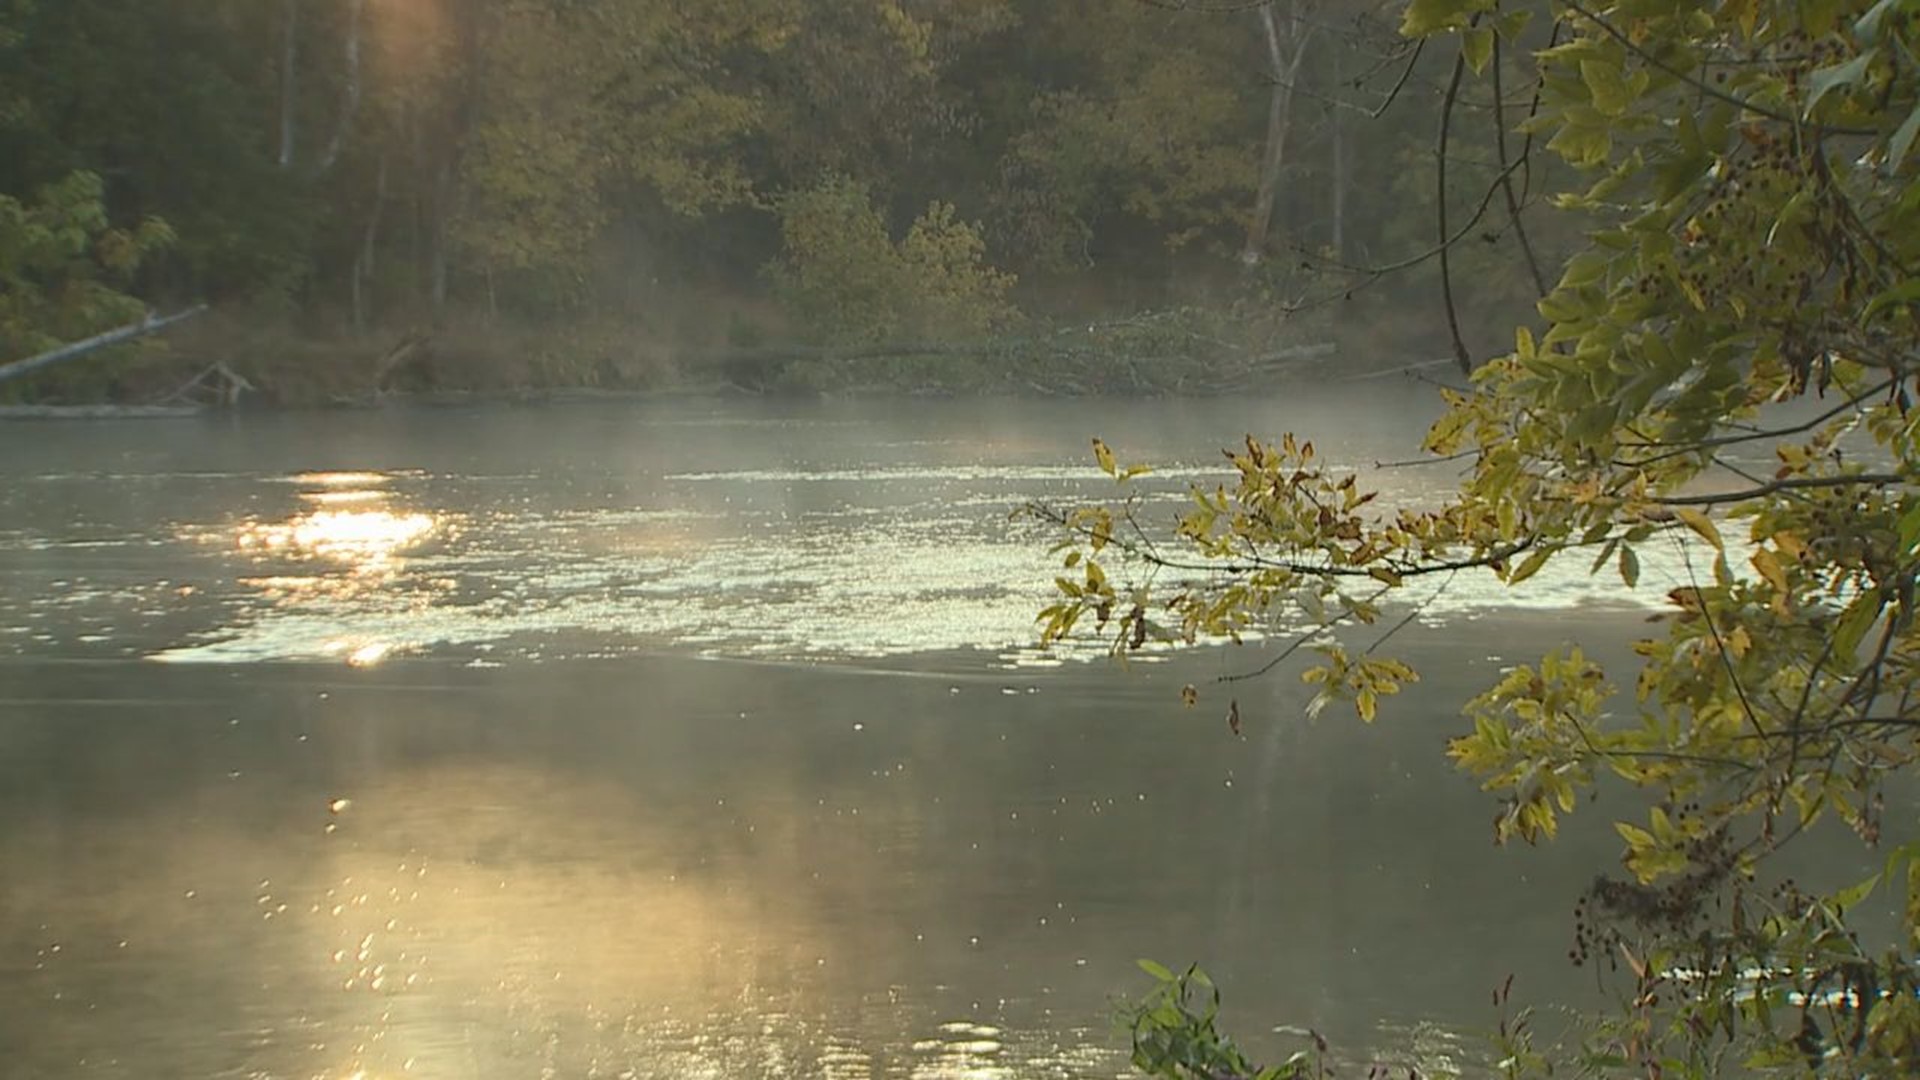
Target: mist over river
x: 708, y: 739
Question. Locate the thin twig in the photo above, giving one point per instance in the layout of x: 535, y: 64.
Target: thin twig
x: 1757, y: 435
x: 1460, y: 353
x: 1506, y: 179
x: 1720, y: 644
x: 1457, y: 455
x: 1412, y: 614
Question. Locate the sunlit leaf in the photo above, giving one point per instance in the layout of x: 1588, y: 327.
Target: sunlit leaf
x: 1104, y: 455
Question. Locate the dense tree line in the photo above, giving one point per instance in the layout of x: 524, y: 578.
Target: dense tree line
x: 740, y: 171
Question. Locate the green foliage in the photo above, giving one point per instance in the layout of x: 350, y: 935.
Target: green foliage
x: 580, y: 99
x: 63, y: 266
x: 1748, y: 169
x: 842, y: 276
x: 1175, y: 1036
x: 1151, y: 138
x: 168, y: 101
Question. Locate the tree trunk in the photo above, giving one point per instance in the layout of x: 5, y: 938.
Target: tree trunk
x: 289, y: 79
x: 369, y: 240
x: 441, y: 210
x: 1338, y: 241
x: 460, y: 118
x: 1283, y: 70
x: 95, y: 343
x: 350, y: 103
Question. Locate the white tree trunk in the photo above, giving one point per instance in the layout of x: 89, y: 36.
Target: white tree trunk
x: 289, y: 79
x: 1338, y: 241
x: 1285, y: 52
x: 350, y: 96
x: 369, y: 242
x: 437, y: 239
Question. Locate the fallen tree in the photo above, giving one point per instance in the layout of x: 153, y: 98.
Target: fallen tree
x: 124, y: 334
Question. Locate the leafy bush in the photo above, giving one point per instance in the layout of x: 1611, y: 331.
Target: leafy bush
x: 842, y: 276
x: 63, y: 266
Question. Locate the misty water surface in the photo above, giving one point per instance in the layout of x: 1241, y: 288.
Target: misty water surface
x: 702, y: 739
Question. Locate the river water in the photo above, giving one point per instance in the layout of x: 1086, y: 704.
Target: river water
x: 705, y: 739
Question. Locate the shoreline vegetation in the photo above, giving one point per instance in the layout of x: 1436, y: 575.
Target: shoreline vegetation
x: 221, y: 362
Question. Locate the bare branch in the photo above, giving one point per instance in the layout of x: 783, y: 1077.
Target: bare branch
x: 1506, y: 178
x: 1791, y: 483
x: 1680, y: 450
x: 1440, y: 207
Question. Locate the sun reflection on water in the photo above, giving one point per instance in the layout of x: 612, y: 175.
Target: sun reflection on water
x: 353, y: 542
x: 330, y: 479
x: 335, y: 498
x: 365, y: 539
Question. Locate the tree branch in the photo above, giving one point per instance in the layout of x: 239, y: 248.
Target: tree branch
x: 1506, y: 178
x: 1460, y: 354
x: 1791, y: 483
x: 1680, y: 450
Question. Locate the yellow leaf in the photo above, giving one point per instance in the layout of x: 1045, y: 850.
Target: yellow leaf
x: 1104, y: 456
x: 1739, y: 643
x: 1700, y: 523
x: 1913, y: 903
x: 1745, y: 12
x: 1663, y: 829
x: 1476, y: 45
x: 1770, y: 570
x: 1637, y: 839
x: 1693, y: 295
x: 1634, y: 963
x: 1530, y: 566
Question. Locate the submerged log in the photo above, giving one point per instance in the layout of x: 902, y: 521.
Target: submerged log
x: 95, y: 343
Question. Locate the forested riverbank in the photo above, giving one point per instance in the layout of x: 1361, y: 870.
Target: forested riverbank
x: 775, y: 195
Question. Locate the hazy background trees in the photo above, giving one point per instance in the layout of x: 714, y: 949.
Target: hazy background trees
x: 623, y: 177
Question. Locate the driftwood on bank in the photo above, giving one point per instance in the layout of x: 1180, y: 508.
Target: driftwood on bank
x: 217, y: 384
x: 98, y: 412
x: 95, y: 343
x: 406, y: 349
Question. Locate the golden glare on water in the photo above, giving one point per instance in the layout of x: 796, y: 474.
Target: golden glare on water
x: 351, y: 550
x: 335, y: 498
x: 363, y: 538
x: 341, y: 479
x: 369, y: 654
